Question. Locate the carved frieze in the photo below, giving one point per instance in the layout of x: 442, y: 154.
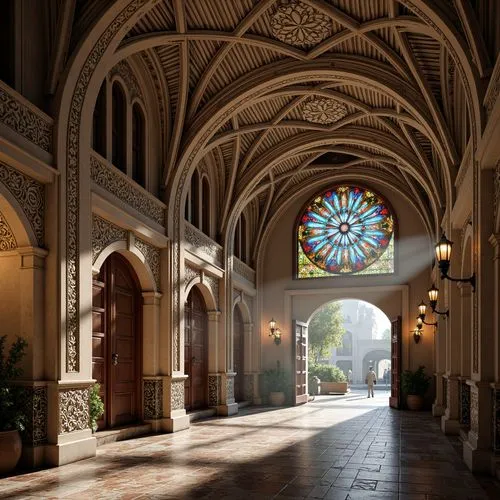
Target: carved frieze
x: 213, y: 283
x: 35, y: 410
x: 125, y: 189
x: 30, y: 194
x: 103, y: 234
x: 152, y: 256
x: 190, y: 273
x: 24, y: 120
x: 177, y: 394
x: 126, y: 73
x: 73, y: 410
x: 243, y: 270
x: 323, y: 111
x: 203, y: 243
x: 7, y: 238
x: 298, y: 24
x: 153, y: 399
x: 214, y: 387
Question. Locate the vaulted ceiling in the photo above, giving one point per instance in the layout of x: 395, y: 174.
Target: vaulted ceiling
x: 282, y: 94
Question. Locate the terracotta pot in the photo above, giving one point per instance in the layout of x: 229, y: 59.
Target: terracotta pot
x: 276, y: 398
x: 10, y: 451
x: 415, y: 403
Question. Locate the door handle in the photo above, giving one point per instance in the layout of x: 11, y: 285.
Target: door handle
x: 114, y: 358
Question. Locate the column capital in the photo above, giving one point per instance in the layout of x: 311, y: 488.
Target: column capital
x: 32, y: 257
x: 151, y: 298
x: 213, y: 315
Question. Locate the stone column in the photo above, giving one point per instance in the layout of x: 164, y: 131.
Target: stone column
x: 251, y: 389
x: 438, y: 406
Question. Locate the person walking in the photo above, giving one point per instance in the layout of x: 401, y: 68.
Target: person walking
x: 386, y: 377
x: 371, y: 380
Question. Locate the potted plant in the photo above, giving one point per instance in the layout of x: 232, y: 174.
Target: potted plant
x: 415, y: 384
x: 12, y: 418
x: 96, y: 406
x: 332, y: 378
x: 275, y: 384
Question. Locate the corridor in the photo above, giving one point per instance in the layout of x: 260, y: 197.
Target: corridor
x: 333, y: 448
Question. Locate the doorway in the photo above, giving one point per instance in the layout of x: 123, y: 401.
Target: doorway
x: 117, y: 341
x: 196, y: 351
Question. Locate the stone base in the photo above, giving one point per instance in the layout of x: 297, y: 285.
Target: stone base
x: 226, y: 410
x: 450, y: 426
x: 477, y: 460
x: 32, y: 456
x: 71, y: 451
x: 175, y: 423
x: 437, y: 410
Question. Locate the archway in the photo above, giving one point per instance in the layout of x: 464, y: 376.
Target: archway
x: 117, y: 341
x: 195, y: 351
x: 239, y: 355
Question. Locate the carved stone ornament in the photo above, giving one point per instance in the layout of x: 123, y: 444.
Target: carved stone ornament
x: 213, y: 390
x: 465, y: 404
x: 30, y: 194
x: 124, y: 188
x: 7, y: 238
x: 323, y: 111
x: 190, y: 274
x: 243, y: 270
x: 152, y: 256
x: 474, y: 410
x: 299, y: 24
x: 73, y: 410
x: 203, y: 243
x: 177, y: 394
x: 153, y: 399
x: 103, y: 234
x: 25, y: 121
x: 73, y: 179
x: 124, y: 70
x: 213, y: 283
x: 230, y: 389
x: 35, y: 409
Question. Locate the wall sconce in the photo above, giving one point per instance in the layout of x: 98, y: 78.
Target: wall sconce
x: 274, y: 332
x: 421, y: 323
x: 416, y: 335
x: 433, y: 300
x: 443, y: 255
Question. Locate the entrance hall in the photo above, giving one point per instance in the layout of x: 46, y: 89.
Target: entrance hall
x: 332, y: 448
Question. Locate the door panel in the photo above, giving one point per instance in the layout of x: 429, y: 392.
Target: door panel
x: 396, y: 340
x: 238, y: 355
x: 196, y: 352
x: 300, y: 362
x: 116, y: 320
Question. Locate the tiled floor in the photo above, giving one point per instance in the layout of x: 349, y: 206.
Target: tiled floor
x: 332, y: 448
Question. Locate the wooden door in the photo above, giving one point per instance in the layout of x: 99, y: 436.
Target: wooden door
x: 239, y: 355
x: 196, y: 352
x: 116, y: 340
x: 300, y: 362
x: 396, y: 341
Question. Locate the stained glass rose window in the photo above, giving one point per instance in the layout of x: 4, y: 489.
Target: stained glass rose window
x: 345, y: 230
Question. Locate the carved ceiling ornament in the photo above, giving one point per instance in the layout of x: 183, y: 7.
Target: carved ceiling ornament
x: 7, y: 238
x: 323, y: 110
x: 296, y: 23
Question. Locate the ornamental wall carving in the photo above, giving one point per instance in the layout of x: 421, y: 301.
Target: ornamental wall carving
x: 30, y: 195
x: 229, y: 388
x: 103, y: 234
x: 73, y: 410
x: 153, y: 399
x: 298, y: 24
x: 24, y: 120
x: 213, y: 284
x: 152, y: 257
x: 496, y: 203
x: 214, y: 390
x: 190, y: 273
x: 7, y: 238
x: 243, y: 270
x: 203, y: 243
x: 124, y: 188
x: 126, y: 73
x: 465, y: 404
x: 35, y: 409
x: 177, y: 394
x: 474, y: 410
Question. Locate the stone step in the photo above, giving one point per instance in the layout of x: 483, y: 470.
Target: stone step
x: 122, y: 433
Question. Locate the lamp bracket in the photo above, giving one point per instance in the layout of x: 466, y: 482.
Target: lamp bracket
x: 471, y: 279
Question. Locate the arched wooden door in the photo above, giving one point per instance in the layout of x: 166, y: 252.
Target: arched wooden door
x: 196, y: 352
x: 117, y: 341
x: 239, y: 355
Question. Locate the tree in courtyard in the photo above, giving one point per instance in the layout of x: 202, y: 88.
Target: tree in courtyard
x: 386, y: 334
x: 326, y: 330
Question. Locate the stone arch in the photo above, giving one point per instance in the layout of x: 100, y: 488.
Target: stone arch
x: 16, y: 218
x: 205, y: 290
x: 243, y: 307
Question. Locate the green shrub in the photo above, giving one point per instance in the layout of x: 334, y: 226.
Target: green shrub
x: 415, y: 383
x: 275, y: 381
x: 12, y: 396
x: 326, y: 373
x: 96, y: 406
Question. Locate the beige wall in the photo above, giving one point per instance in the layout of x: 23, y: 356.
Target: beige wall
x: 285, y: 298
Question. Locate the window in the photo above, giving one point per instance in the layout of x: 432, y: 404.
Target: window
x: 346, y: 230
x: 205, y: 206
x: 240, y: 239
x: 194, y: 198
x: 99, y: 122
x: 7, y: 42
x: 138, y: 146
x: 119, y: 128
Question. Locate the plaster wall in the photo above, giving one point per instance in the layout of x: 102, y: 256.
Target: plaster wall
x: 286, y: 298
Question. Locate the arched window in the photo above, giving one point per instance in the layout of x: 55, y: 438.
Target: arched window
x: 138, y: 146
x: 195, y: 199
x: 237, y: 239
x: 347, y: 230
x: 243, y: 238
x: 205, y: 206
x: 119, y: 128
x: 99, y: 122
